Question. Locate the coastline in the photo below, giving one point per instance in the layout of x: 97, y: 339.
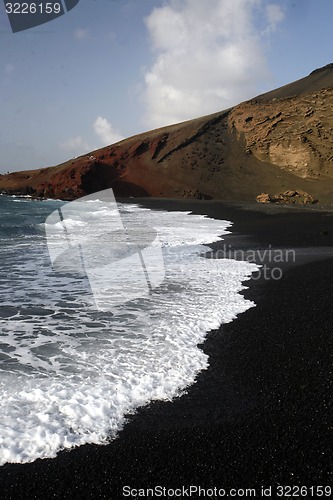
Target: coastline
x: 259, y: 415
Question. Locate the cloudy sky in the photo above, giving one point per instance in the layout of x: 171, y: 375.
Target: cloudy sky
x: 109, y: 69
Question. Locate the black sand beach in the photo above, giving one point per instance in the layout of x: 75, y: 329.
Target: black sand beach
x: 261, y: 415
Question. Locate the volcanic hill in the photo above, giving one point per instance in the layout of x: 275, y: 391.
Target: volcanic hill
x: 279, y: 141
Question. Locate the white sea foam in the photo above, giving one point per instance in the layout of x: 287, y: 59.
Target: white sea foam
x: 70, y: 374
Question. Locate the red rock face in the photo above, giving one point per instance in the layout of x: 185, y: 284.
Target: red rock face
x: 281, y: 140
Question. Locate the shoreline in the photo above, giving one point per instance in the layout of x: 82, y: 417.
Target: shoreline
x: 259, y: 415
x: 246, y: 205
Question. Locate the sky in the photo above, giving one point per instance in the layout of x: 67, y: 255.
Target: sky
x: 110, y: 69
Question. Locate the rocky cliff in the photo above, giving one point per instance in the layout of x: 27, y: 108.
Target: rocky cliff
x: 279, y: 141
x: 293, y: 133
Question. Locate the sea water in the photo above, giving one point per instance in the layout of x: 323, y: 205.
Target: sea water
x: 71, y: 374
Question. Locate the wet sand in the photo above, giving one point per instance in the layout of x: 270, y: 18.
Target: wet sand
x: 261, y: 415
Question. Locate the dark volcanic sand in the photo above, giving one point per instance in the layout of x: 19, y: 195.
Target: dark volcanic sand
x: 260, y: 415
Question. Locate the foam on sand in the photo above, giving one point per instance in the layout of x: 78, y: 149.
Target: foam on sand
x: 71, y: 374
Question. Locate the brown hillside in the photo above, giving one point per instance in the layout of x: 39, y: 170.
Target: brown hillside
x: 278, y: 141
x: 319, y: 79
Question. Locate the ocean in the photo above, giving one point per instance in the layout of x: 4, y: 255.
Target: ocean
x: 75, y: 362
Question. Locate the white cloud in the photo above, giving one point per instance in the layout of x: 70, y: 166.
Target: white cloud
x: 275, y: 15
x: 105, y: 131
x: 208, y: 58
x: 102, y: 128
x: 81, y: 33
x: 75, y: 144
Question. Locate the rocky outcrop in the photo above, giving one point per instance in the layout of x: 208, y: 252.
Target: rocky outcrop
x: 262, y: 145
x: 288, y: 197
x: 263, y: 198
x: 294, y: 133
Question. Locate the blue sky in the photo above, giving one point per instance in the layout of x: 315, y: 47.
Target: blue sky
x: 109, y: 69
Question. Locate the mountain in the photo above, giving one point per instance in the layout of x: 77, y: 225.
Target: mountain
x: 279, y: 141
